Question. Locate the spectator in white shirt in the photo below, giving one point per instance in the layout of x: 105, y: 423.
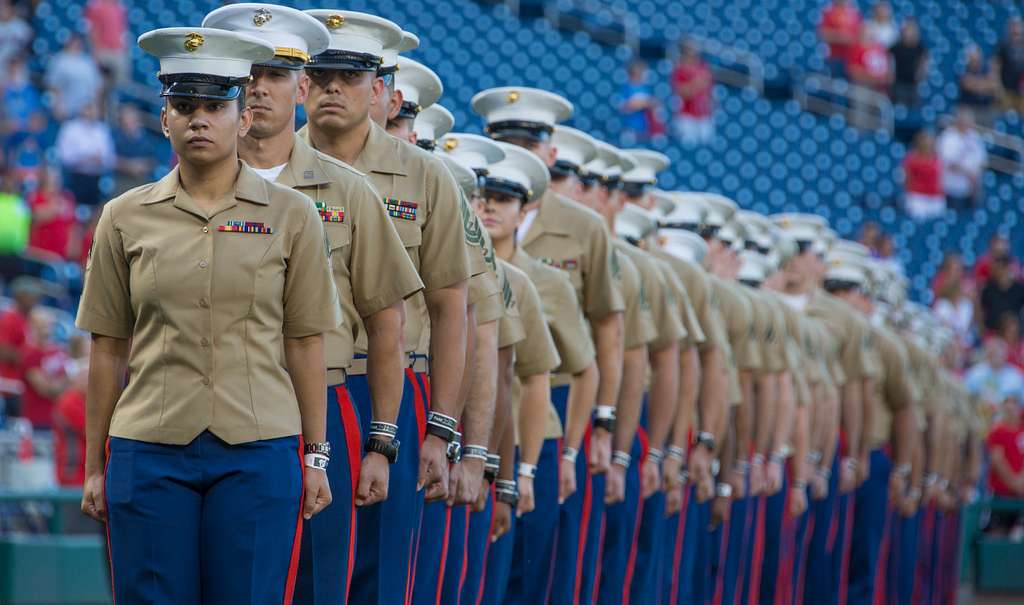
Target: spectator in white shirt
x: 963, y: 160
x: 15, y: 34
x: 993, y: 379
x: 73, y: 78
x: 85, y: 149
x: 880, y: 27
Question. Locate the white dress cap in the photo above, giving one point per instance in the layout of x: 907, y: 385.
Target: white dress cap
x: 646, y: 166
x: 473, y: 150
x: 221, y: 60
x: 720, y: 209
x: 357, y: 41
x: 664, y: 202
x: 419, y: 85
x: 755, y: 224
x: 753, y: 266
x: 825, y: 241
x: 734, y: 233
x: 519, y: 111
x: 610, y: 163
x: 686, y: 245
x: 846, y: 267
x: 851, y: 247
x: 294, y: 35
x: 633, y: 223
x: 432, y: 123
x: 689, y: 212
x: 463, y: 174
x: 521, y: 168
x: 800, y: 227
x: 573, y: 147
x: 409, y: 41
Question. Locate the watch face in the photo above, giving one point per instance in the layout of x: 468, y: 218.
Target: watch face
x: 454, y: 452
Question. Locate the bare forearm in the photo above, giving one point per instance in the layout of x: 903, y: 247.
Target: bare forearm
x: 850, y: 416
x: 743, y: 420
x: 712, y: 403
x: 582, y: 399
x: 664, y: 394
x: 689, y: 387
x: 801, y: 444
x: 830, y: 430
x: 903, y: 430
x: 507, y: 451
x: 533, y: 415
x: 305, y: 359
x: 447, y: 309
x: 384, y: 361
x: 479, y: 413
x: 467, y: 371
x: 608, y: 342
x: 108, y: 360
x: 867, y: 416
x: 502, y: 398
x: 766, y: 412
x: 784, y: 420
x: 630, y: 398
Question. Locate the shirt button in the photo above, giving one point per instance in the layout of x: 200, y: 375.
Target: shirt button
x: 206, y: 381
x: 203, y: 303
x: 202, y: 264
x: 206, y: 229
x: 205, y: 343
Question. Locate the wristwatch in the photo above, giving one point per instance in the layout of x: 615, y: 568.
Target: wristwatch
x: 604, y: 418
x: 491, y: 467
x: 455, y: 448
x: 323, y: 448
x: 707, y: 440
x: 507, y: 492
x: 388, y: 449
x: 443, y: 427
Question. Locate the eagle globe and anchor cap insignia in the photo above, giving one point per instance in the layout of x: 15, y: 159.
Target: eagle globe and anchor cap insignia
x: 261, y: 17
x: 335, y: 21
x: 193, y: 41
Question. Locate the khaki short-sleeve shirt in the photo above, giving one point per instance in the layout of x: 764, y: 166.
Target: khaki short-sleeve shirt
x: 894, y: 386
x: 536, y: 352
x: 857, y: 357
x: 562, y: 312
x: 574, y: 238
x: 207, y: 300
x: 422, y: 198
x: 696, y: 281
x: 511, y: 330
x: 638, y: 325
x: 364, y: 244
x: 662, y: 307
x: 739, y: 324
x: 684, y: 306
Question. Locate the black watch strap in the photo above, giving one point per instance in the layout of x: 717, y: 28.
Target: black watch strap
x: 506, y: 492
x: 388, y: 449
x: 443, y: 433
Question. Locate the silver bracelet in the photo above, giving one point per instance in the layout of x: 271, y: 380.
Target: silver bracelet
x: 676, y: 453
x: 655, y: 455
x: 570, y: 454
x: 477, y: 452
x: 621, y: 458
x: 723, y: 490
x: 527, y: 470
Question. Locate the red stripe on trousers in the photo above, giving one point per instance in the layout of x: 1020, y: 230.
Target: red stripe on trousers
x: 881, y: 583
x: 784, y: 580
x: 722, y: 555
x: 487, y: 552
x: 677, y: 551
x: 444, y: 555
x: 465, y: 554
x: 421, y: 424
x: 802, y: 577
x: 588, y: 503
x: 645, y: 445
x: 758, y: 556
x: 293, y: 565
x: 110, y: 556
x: 600, y: 557
x: 353, y: 440
x: 844, y: 570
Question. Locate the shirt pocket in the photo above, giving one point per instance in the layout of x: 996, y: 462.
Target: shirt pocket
x: 409, y: 232
x: 339, y: 242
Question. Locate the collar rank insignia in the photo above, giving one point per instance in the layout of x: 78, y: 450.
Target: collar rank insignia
x: 569, y: 264
x: 400, y: 208
x: 331, y: 214
x: 246, y: 227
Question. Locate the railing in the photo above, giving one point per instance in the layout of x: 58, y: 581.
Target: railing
x: 1009, y: 150
x: 617, y: 27
x: 862, y: 107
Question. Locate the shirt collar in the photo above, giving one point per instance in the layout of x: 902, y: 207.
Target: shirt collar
x: 381, y: 153
x: 249, y: 187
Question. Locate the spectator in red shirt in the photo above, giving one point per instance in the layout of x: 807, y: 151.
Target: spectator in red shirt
x: 69, y: 416
x: 1009, y: 331
x: 53, y: 216
x: 14, y: 338
x: 870, y: 68
x: 692, y: 83
x: 1006, y: 452
x: 108, y: 22
x: 840, y: 28
x: 998, y: 247
x: 43, y: 370
x: 922, y: 171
